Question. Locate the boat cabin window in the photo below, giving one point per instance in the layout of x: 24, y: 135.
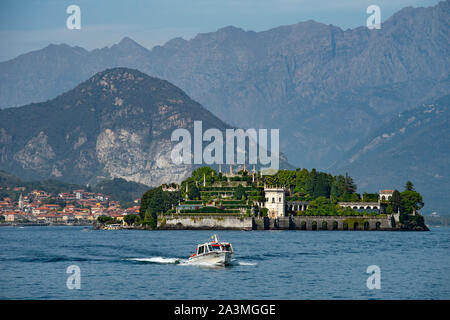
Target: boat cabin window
x: 210, y: 248
x: 227, y: 247
x: 201, y: 249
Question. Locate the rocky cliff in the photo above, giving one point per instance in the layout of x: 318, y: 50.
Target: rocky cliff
x: 117, y: 124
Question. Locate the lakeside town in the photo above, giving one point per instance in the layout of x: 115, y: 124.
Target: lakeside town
x: 78, y: 207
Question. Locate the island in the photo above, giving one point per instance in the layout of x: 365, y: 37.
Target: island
x: 288, y: 200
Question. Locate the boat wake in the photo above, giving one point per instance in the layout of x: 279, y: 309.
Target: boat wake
x: 179, y: 261
x: 158, y: 260
x: 242, y: 263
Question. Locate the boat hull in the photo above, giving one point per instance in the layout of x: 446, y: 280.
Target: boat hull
x: 213, y: 258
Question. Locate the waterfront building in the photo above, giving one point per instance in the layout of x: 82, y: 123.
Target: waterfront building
x: 275, y: 202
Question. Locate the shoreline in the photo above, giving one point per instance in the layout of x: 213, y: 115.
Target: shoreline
x: 292, y: 223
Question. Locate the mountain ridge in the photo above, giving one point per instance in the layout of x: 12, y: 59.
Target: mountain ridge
x: 116, y: 124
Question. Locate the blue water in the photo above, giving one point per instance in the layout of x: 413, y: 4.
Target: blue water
x: 131, y: 264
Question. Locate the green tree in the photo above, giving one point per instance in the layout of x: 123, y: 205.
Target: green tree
x: 150, y: 218
x: 264, y: 212
x: 411, y: 201
x: 301, y: 179
x: 311, y: 182
x: 239, y: 193
x: 131, y: 219
x: 193, y: 192
x: 207, y: 172
x: 158, y: 201
x: 350, y: 185
x: 396, y: 202
x: 409, y: 186
x: 370, y: 197
x: 322, y: 185
x: 105, y: 219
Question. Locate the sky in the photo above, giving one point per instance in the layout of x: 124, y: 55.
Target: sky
x: 27, y: 25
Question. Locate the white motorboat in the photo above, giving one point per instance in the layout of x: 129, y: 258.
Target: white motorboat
x: 213, y: 253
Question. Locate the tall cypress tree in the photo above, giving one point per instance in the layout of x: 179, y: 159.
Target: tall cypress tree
x: 409, y: 186
x: 396, y: 201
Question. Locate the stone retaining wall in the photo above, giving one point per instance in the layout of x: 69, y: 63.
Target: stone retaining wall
x: 204, y: 223
x: 324, y: 223
x: 285, y: 223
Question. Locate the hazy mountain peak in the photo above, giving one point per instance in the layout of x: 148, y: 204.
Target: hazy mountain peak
x: 127, y: 42
x: 61, y: 48
x: 230, y: 29
x: 174, y: 43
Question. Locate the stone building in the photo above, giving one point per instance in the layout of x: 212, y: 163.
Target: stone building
x: 275, y: 202
x: 385, y: 195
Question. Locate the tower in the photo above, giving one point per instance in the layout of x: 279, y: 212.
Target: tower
x: 274, y: 202
x: 21, y: 202
x: 204, y: 180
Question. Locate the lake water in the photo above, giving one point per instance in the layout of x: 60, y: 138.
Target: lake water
x: 131, y: 264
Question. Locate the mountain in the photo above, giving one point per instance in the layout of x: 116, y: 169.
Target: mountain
x: 117, y: 124
x: 414, y: 146
x: 324, y: 87
x: 9, y: 180
x: 8, y: 183
x: 43, y: 74
x: 120, y: 189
